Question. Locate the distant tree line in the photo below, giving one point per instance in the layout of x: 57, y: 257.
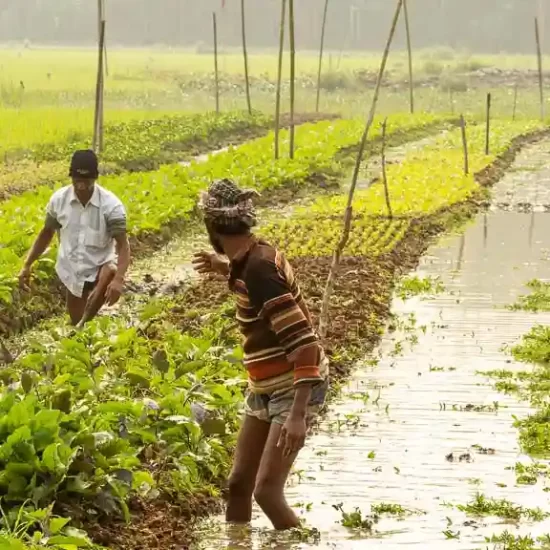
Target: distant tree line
x: 476, y: 25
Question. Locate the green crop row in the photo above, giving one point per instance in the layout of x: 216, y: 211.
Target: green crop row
x: 157, y: 200
x: 132, y: 146
x: 142, y: 141
x: 93, y: 418
x: 427, y: 180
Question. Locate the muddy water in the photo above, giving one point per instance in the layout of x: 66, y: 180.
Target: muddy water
x: 411, y: 444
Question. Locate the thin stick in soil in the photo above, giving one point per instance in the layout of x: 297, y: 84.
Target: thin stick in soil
x: 323, y: 322
x: 539, y: 63
x: 321, y: 51
x: 279, y: 77
x: 292, y: 73
x: 217, y: 74
x: 99, y: 90
x: 384, y: 171
x: 465, y: 145
x: 245, y: 56
x: 409, y: 48
x: 488, y: 125
x: 515, y: 102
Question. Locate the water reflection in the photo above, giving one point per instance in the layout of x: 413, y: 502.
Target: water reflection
x: 395, y: 432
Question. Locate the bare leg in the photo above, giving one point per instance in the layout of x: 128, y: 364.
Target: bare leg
x: 96, y: 300
x: 76, y: 306
x: 250, y: 447
x: 271, y: 480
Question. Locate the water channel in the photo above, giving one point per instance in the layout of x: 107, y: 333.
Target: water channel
x: 416, y: 440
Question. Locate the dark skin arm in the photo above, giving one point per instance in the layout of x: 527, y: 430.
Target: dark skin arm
x: 40, y: 245
x: 294, y: 431
x: 205, y: 263
x: 114, y: 290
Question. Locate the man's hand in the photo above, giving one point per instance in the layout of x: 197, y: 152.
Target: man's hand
x: 293, y: 435
x: 205, y: 262
x: 25, y: 278
x: 114, y: 291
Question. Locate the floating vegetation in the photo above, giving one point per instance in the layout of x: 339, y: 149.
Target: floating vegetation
x: 484, y: 506
x: 356, y: 519
x: 386, y: 508
x: 538, y: 300
x: 415, y: 286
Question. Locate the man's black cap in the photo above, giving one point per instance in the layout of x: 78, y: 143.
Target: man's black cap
x: 84, y: 164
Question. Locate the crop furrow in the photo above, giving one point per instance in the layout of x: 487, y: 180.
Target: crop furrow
x: 162, y: 203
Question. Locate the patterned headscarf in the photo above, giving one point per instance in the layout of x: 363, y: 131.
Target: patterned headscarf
x: 226, y: 205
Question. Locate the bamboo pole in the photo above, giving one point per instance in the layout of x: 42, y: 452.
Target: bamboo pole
x: 292, y: 74
x: 539, y: 62
x: 105, y: 59
x: 409, y: 48
x: 488, y: 125
x: 323, y: 322
x: 215, y: 28
x: 245, y: 55
x: 279, y: 77
x: 99, y: 90
x: 515, y: 101
x: 384, y: 171
x: 102, y: 21
x: 321, y: 51
x: 465, y: 145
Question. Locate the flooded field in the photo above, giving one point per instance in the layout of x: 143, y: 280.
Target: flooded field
x: 419, y: 425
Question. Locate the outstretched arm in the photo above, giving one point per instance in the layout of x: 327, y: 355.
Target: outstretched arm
x: 115, y: 288
x: 41, y: 243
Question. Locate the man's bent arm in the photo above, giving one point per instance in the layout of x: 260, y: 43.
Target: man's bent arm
x: 40, y: 245
x: 124, y: 256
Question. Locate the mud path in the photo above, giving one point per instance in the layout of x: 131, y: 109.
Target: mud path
x: 422, y: 428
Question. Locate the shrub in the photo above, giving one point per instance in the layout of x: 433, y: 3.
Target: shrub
x: 433, y: 68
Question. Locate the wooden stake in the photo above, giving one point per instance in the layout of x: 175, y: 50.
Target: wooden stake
x: 321, y: 51
x: 515, y: 101
x: 292, y: 75
x: 488, y: 125
x: 245, y: 55
x: 215, y: 25
x: 384, y: 171
x: 102, y: 21
x: 323, y: 322
x: 105, y: 59
x: 539, y: 62
x: 465, y: 145
x: 99, y: 90
x: 409, y: 48
x: 279, y: 77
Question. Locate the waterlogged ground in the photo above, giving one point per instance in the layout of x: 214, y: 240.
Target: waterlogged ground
x: 423, y: 428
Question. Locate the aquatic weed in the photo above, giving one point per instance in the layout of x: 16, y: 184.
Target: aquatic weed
x: 484, y: 506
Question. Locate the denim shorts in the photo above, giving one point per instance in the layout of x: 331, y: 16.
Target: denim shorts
x: 275, y: 408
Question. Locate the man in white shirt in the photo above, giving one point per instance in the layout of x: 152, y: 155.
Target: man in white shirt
x: 89, y: 221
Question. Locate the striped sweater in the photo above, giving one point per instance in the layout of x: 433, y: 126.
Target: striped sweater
x: 281, y: 349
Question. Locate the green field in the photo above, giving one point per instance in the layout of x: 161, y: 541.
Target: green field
x: 99, y: 434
